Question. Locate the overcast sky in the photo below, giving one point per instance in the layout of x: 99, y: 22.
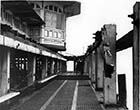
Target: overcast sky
x: 94, y: 14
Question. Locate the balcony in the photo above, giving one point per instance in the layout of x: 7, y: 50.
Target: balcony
x: 53, y: 39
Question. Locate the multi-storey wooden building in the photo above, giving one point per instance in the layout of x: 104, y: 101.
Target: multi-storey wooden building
x: 31, y: 34
x: 54, y: 14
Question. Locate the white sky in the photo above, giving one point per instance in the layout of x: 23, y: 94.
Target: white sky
x: 94, y: 14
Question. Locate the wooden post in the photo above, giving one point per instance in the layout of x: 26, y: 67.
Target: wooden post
x: 31, y: 69
x: 85, y: 66
x: 109, y: 39
x: 99, y: 68
x: 44, y: 69
x: 136, y: 58
x: 122, y: 89
x: 90, y: 65
x: 58, y: 67
x: 74, y: 66
x: 52, y: 67
x: 93, y: 65
x: 4, y: 70
x: 34, y: 67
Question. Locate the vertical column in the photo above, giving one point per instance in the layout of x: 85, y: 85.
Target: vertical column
x: 44, y: 68
x: 65, y: 66
x: 99, y: 68
x: 109, y: 39
x: 74, y: 66
x: 52, y: 67
x: 122, y: 89
x: 136, y: 58
x: 8, y: 69
x: 42, y: 15
x: 88, y: 68
x: 4, y: 70
x: 31, y: 69
x: 58, y: 69
x: 93, y: 66
x: 90, y: 65
x: 34, y: 67
x: 60, y: 66
x: 46, y: 61
x: 85, y: 66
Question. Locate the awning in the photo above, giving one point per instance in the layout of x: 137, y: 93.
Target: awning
x: 23, y: 10
x: 71, y: 8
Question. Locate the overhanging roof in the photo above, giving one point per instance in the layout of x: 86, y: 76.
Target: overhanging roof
x: 23, y: 10
x: 71, y: 8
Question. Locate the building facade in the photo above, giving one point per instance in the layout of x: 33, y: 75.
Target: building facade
x: 54, y: 14
x: 31, y: 34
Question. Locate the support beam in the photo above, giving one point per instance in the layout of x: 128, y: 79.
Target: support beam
x: 125, y: 42
x: 44, y: 68
x: 58, y: 67
x: 109, y: 40
x: 85, y: 66
x: 122, y: 89
x: 99, y: 68
x: 52, y: 67
x: 93, y: 66
x: 74, y: 66
x: 90, y: 72
x: 31, y: 69
x: 34, y: 68
x: 88, y: 69
x: 4, y: 70
x: 136, y: 58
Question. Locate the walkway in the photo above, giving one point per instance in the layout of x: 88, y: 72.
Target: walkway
x: 63, y: 93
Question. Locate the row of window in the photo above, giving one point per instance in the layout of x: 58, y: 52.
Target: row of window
x: 21, y: 63
x: 47, y: 7
x: 14, y: 21
x: 32, y: 31
x: 50, y: 33
x: 22, y: 26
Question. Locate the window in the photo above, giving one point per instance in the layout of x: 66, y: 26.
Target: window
x: 55, y: 9
x: 55, y: 34
x: 32, y: 5
x: 6, y: 16
x: 60, y: 11
x: 17, y: 23
x: 60, y: 21
x: 34, y: 31
x: 46, y: 7
x: 50, y: 7
x: 46, y: 33
x: 37, y: 6
x: 50, y: 33
x: 59, y: 35
x: 23, y: 26
x: 2, y: 13
x: 10, y: 19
